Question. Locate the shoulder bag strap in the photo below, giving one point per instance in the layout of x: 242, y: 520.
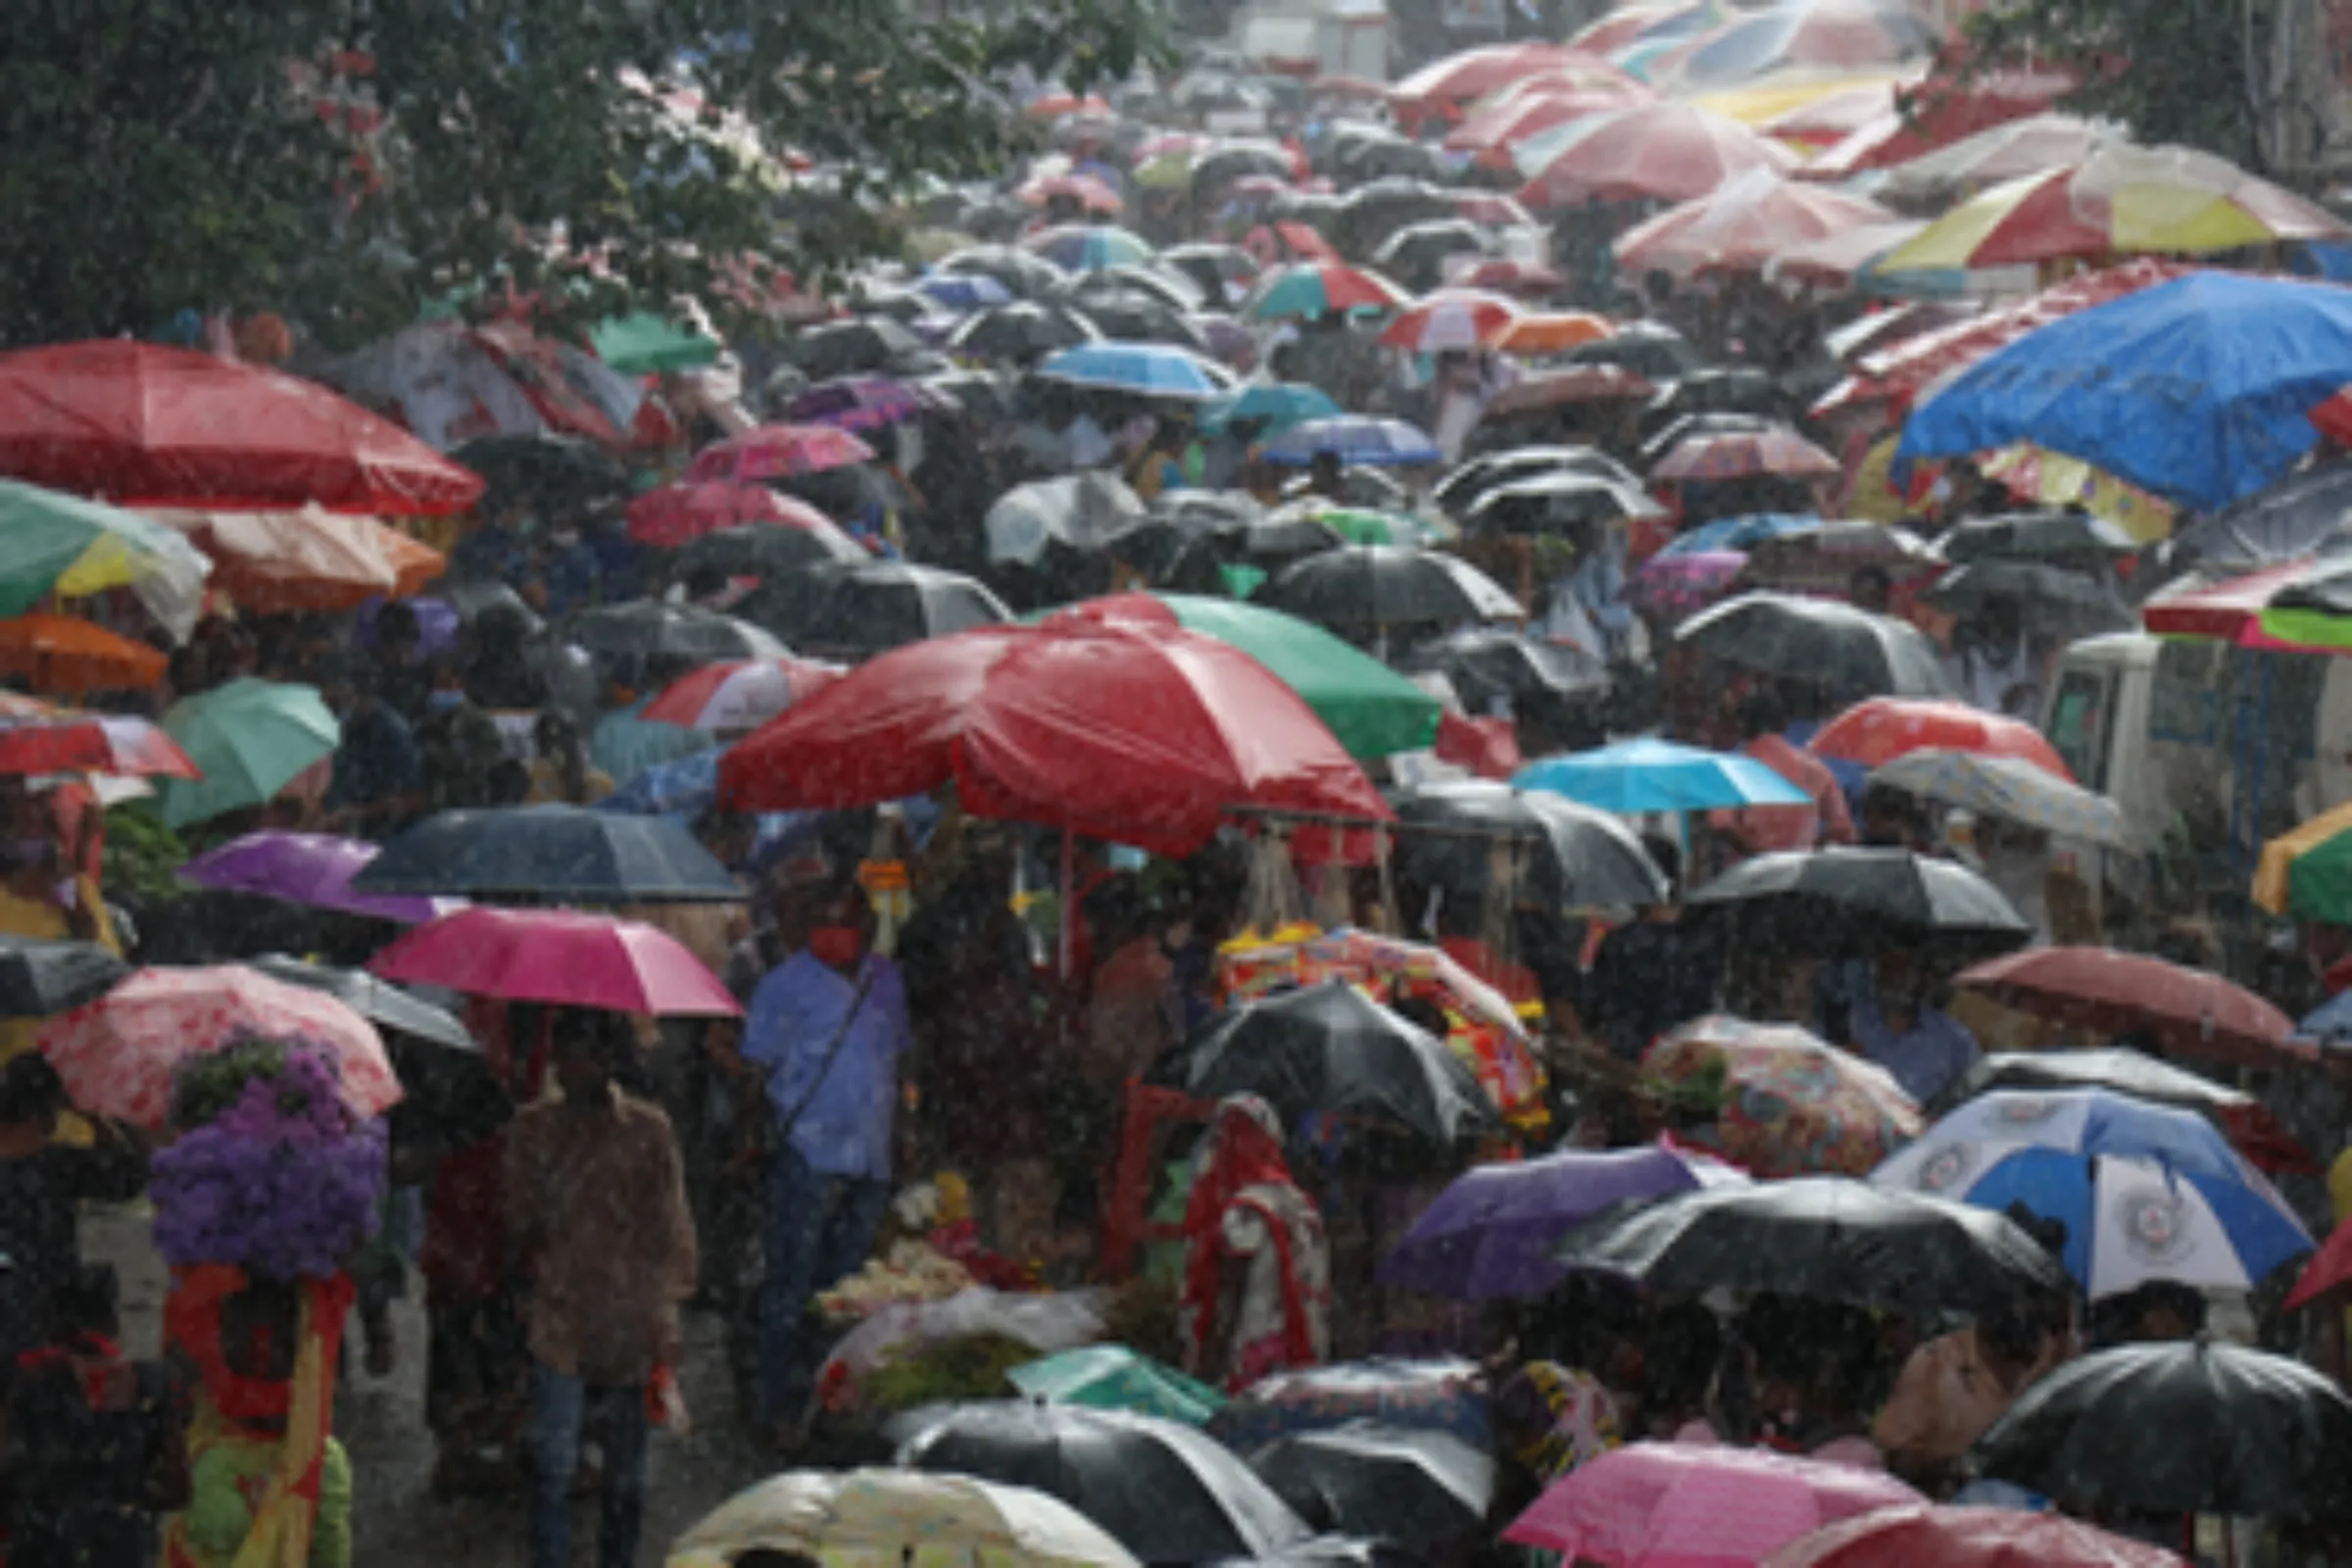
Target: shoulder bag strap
x: 841, y: 1037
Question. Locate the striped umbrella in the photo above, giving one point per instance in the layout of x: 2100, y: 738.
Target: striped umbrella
x: 1318, y: 289
x: 1461, y: 318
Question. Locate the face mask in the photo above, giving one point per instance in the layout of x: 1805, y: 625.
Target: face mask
x: 444, y: 701
x: 839, y: 946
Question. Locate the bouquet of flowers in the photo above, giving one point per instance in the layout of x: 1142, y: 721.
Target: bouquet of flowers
x: 271, y: 1171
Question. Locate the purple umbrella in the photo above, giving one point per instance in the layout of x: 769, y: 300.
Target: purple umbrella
x: 857, y: 403
x: 1489, y: 1236
x: 1228, y: 339
x: 309, y: 868
x: 1671, y: 589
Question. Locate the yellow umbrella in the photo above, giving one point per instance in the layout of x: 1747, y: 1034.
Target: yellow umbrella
x: 2055, y: 479
x: 1758, y: 102
x: 899, y: 1519
x: 2279, y: 855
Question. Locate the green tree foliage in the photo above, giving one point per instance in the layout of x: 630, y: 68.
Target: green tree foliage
x: 348, y: 159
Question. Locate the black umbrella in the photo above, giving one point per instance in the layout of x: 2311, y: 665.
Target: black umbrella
x: 1330, y: 1048
x: 1487, y: 666
x: 1739, y: 390
x: 758, y: 550
x: 1022, y: 332
x: 1171, y: 288
x: 1561, y: 502
x: 1361, y: 586
x: 1366, y: 488
x: 379, y: 1002
x: 2303, y: 515
x: 1370, y: 159
x: 1401, y: 1483
x: 1026, y: 273
x: 1215, y: 269
x: 1084, y: 512
x: 871, y: 343
x: 983, y: 394
x: 2177, y: 1427
x: 1820, y: 1238
x: 1441, y: 1394
x: 558, y: 476
x: 1138, y: 318
x: 647, y: 630
x: 550, y: 855
x: 40, y: 978
x: 1416, y: 254
x: 901, y: 305
x: 1652, y: 350
x: 2047, y: 598
x: 1822, y: 894
x: 2039, y: 536
x: 1849, y: 652
x: 1370, y: 214
x: 1466, y: 481
x: 1684, y: 428
x: 1219, y: 166
x: 851, y: 613
x: 475, y: 597
x: 1165, y: 1492
x: 1264, y: 544
x: 1574, y: 857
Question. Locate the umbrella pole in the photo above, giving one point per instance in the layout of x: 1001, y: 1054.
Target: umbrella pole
x: 1068, y: 902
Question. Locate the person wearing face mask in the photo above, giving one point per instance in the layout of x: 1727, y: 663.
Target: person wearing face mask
x: 829, y: 1028
x: 460, y: 745
x: 569, y: 569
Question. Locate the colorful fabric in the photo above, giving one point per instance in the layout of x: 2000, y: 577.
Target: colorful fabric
x: 1575, y: 1419
x: 1243, y: 1204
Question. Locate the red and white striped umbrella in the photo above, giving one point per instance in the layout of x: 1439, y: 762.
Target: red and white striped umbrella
x: 1456, y: 319
x: 740, y: 696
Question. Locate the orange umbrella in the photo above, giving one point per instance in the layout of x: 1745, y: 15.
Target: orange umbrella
x: 272, y: 563
x: 59, y: 653
x: 1554, y: 333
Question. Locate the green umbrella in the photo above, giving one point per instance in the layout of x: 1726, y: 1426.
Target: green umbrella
x: 54, y: 543
x: 642, y: 343
x: 1363, y: 527
x: 1111, y: 1377
x: 251, y: 738
x: 2318, y: 882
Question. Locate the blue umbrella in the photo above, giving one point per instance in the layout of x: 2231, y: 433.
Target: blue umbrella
x: 1281, y: 404
x: 550, y: 855
x: 1355, y: 438
x: 1737, y: 533
x: 1152, y: 369
x: 963, y: 291
x: 2196, y: 390
x: 1653, y: 775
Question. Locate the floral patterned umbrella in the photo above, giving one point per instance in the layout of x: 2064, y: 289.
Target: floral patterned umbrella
x: 1790, y: 1105
x: 1670, y: 588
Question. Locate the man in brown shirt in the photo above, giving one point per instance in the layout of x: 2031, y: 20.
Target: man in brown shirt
x: 596, y: 1204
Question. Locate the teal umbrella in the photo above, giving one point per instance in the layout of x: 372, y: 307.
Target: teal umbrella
x: 643, y: 343
x: 1111, y: 1377
x: 251, y: 738
x: 1281, y: 404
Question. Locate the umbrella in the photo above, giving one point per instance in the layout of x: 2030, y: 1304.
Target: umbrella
x: 872, y: 344
x: 1331, y: 1049
x: 1488, y: 1235
x: 1145, y: 370
x: 1371, y: 710
x: 559, y: 956
x: 1113, y: 1376
x: 1168, y: 1494
x: 1170, y: 289
x: 1022, y: 332
x: 1744, y: 453
x: 40, y: 978
x: 1876, y: 731
x: 1814, y: 34
x: 1659, y: 150
x: 1469, y: 74
x: 896, y: 1519
x: 2009, y: 788
x: 1492, y: 667
x: 286, y: 562
x: 2179, y: 1428
x: 1923, y: 1537
x: 1088, y: 513
x: 859, y: 403
x: 739, y: 696
x: 1456, y: 320
x: 1228, y: 162
x: 1131, y: 315
x: 1791, y: 1105
x: 1139, y: 734
x: 2252, y: 1128
x: 1545, y: 391
x: 1473, y: 477
x: 1641, y: 775
x: 314, y: 870
x: 120, y: 1053
x: 1026, y: 276
x: 2069, y: 603
x: 766, y: 550
x: 2187, y: 1012
x: 1735, y: 389
x: 2240, y: 362
x: 473, y: 598
x: 1405, y: 1485
x: 1675, y: 1503
x: 69, y: 657
x: 550, y: 855
x: 1649, y: 349
x: 963, y: 291
x: 35, y: 740
x: 1277, y: 405
x: 1824, y: 558
x: 1570, y: 855
x: 1659, y: 446
x: 1820, y: 643
x: 1380, y: 585
x: 849, y: 612
x: 2146, y: 1191
x: 1562, y: 501
x: 644, y: 344
x: 551, y: 475
x: 1418, y: 252
x: 1670, y: 588
x: 1320, y: 288
x: 1741, y: 228
x: 1823, y: 1238
x: 2311, y: 612
x: 388, y: 1007
x: 1220, y: 271
x: 1993, y: 156
x: 1089, y: 247
x: 251, y: 738
x: 146, y: 424
x: 1353, y: 438
x: 778, y: 451
x: 2302, y: 514
x: 62, y: 546
x: 983, y: 394
x: 1736, y: 533
x: 2036, y: 536
x: 1437, y: 1396
x: 1893, y: 893
x: 647, y: 630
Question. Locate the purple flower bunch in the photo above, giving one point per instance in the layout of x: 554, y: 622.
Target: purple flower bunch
x: 281, y: 1180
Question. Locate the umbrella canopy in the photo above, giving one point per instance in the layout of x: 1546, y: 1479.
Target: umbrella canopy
x: 1561, y: 501
x: 167, y: 427
x: 1892, y: 893
x: 1147, y: 370
x: 1486, y: 664
x: 388, y: 1007
x: 2069, y: 603
x: 1743, y: 225
x: 1089, y: 247
x: 2308, y: 872
x: 769, y: 549
x: 1473, y: 477
x: 1438, y: 1395
x: 1380, y: 585
x: 849, y: 612
x: 643, y: 344
x: 1405, y: 1485
x: 2205, y: 383
x: 1670, y: 588
x: 1697, y: 1504
x: 559, y: 956
x: 2146, y: 1191
x: 2183, y: 1427
x: 1488, y: 1235
x: 1544, y: 391
x: 1319, y: 288
x: 859, y: 403
x: 1353, y: 438
x: 120, y: 1053
x: 2312, y: 612
x: 2056, y: 536
x: 1821, y: 643
x: 1165, y: 1492
x: 1642, y: 775
x: 40, y: 978
x: 2009, y: 788
x: 1024, y: 332
x: 776, y: 452
x: 1277, y: 405
x: 1571, y: 855
x: 1876, y: 731
x: 1744, y: 453
x: 1118, y: 730
x: 2301, y: 515
x: 1735, y: 534
x: 1082, y: 511
x: 1927, y: 1537
x: 1827, y: 1237
x: 2252, y: 1128
x: 1825, y: 558
x: 1330, y: 1048
x: 35, y: 739
x: 679, y: 514
x: 869, y: 344
x: 2187, y: 1012
x: 553, y: 476
x: 63, y: 657
x: 1995, y: 154
x: 1029, y: 276
x: 282, y: 563
x: 251, y: 738
x: 1791, y: 1105
x: 739, y: 696
x: 963, y: 292
x: 550, y: 855
x: 1113, y: 1376
x: 896, y: 1519
x: 1456, y: 320
x: 647, y: 630
x: 62, y: 546
x: 1811, y: 35
x: 314, y: 870
x: 1418, y: 252
x: 1661, y: 151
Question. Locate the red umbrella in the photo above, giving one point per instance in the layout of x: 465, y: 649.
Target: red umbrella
x: 2187, y: 1012
x: 1922, y: 1536
x: 678, y: 514
x: 1656, y: 151
x: 149, y: 426
x: 1929, y: 119
x: 2228, y: 610
x: 1493, y: 131
x: 559, y: 956
x: 1876, y: 732
x: 1743, y: 225
x: 777, y: 450
x: 56, y: 742
x: 1141, y: 734
x: 2329, y: 1267
x: 1443, y: 85
x: 1742, y: 454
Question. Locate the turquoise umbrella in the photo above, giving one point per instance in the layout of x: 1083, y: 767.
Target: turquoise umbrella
x: 643, y: 343
x: 1653, y: 775
x: 1111, y: 1377
x: 252, y: 738
x: 1280, y: 404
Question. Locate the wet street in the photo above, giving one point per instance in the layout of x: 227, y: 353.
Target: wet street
x: 397, y: 1523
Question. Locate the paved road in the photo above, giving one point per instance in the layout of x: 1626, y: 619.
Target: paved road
x: 397, y: 1524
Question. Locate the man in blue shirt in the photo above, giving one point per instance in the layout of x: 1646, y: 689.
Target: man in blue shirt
x: 1911, y: 1038
x: 828, y: 1028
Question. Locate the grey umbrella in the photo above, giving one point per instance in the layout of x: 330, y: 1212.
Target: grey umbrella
x: 379, y: 1002
x: 1847, y: 651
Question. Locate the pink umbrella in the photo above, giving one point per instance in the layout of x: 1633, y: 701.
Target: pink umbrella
x: 559, y: 956
x: 1742, y: 226
x: 1671, y: 589
x: 1086, y: 190
x: 1652, y: 152
x: 679, y: 513
x: 776, y: 451
x: 740, y: 695
x: 1694, y: 1505
x: 119, y: 1054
